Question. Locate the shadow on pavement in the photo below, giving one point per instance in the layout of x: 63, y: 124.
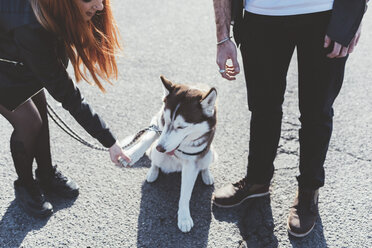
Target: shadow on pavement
x: 255, y: 222
x: 15, y: 224
x: 157, y: 220
x: 315, y: 239
x: 143, y: 162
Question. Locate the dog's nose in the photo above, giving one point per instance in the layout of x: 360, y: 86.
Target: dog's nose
x: 160, y: 148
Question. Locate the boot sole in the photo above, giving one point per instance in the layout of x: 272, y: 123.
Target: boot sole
x: 299, y: 235
x: 237, y: 204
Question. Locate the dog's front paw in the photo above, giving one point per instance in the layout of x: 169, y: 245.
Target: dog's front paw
x: 152, y: 174
x: 134, y: 156
x: 207, y: 177
x: 185, y: 222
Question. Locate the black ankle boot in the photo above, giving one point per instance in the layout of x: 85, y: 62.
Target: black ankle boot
x: 304, y: 213
x: 31, y: 199
x: 53, y: 181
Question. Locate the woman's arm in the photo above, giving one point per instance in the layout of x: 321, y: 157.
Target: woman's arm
x: 37, y: 51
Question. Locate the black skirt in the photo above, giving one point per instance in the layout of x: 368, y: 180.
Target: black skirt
x: 16, y: 86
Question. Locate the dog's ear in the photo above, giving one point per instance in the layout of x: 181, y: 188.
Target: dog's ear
x: 208, y: 102
x: 168, y: 85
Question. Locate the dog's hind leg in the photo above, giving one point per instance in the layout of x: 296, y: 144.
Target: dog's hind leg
x: 189, y: 175
x: 207, y: 177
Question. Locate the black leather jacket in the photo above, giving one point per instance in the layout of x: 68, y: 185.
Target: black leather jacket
x: 44, y: 63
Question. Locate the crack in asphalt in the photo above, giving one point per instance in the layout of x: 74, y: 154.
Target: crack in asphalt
x: 352, y: 155
x: 286, y: 139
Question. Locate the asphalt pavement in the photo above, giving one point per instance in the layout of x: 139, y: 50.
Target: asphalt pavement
x: 117, y: 208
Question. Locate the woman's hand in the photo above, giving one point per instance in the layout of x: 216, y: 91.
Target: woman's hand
x: 117, y: 154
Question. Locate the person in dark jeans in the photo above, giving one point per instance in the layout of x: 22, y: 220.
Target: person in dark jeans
x: 323, y: 32
x: 37, y: 39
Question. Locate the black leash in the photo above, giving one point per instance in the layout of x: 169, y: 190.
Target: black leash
x: 55, y: 117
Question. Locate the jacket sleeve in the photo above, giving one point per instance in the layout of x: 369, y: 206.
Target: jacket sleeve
x: 37, y: 51
x: 345, y: 20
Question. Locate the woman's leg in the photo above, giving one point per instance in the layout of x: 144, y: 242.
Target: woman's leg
x: 27, y: 123
x: 49, y: 177
x: 42, y: 148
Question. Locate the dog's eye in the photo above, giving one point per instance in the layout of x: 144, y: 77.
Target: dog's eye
x: 180, y: 127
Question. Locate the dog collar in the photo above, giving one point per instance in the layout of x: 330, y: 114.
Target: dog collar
x: 194, y: 154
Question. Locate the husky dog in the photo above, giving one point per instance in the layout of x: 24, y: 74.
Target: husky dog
x: 187, y: 121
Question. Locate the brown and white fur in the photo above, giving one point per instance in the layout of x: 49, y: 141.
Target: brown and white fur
x: 187, y: 120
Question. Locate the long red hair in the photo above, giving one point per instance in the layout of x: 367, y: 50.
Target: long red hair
x: 92, y: 44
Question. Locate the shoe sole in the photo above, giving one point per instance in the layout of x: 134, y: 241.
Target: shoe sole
x: 248, y: 197
x: 298, y: 235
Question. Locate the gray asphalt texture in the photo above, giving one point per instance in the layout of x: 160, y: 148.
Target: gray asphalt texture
x: 117, y: 208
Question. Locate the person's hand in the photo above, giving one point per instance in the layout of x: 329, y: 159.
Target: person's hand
x: 117, y: 154
x: 226, y: 51
x: 340, y: 51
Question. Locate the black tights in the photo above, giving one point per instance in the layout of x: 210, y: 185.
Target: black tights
x: 30, y: 138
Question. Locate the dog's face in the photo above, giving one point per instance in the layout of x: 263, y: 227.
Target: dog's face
x: 187, y: 113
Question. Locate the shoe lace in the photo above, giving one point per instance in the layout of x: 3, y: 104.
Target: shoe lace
x: 241, y: 184
x: 58, y: 176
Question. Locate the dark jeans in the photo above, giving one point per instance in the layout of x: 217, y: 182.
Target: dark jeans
x: 267, y: 47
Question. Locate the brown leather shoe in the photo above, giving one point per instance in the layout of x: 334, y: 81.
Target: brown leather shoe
x: 234, y: 194
x: 303, y: 213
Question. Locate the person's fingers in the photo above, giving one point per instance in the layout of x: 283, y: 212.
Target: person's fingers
x: 235, y: 63
x: 357, y: 39
x: 221, y: 62
x: 123, y: 155
x: 229, y: 76
x: 118, y: 164
x: 352, y: 45
x: 228, y: 72
x: 231, y: 71
x: 225, y: 75
x: 336, y: 51
x: 123, y: 162
x: 327, y: 41
x: 343, y: 52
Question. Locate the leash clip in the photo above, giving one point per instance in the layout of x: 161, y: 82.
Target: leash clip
x: 154, y: 128
x: 123, y: 162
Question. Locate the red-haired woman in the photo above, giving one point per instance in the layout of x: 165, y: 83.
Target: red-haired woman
x: 40, y: 37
